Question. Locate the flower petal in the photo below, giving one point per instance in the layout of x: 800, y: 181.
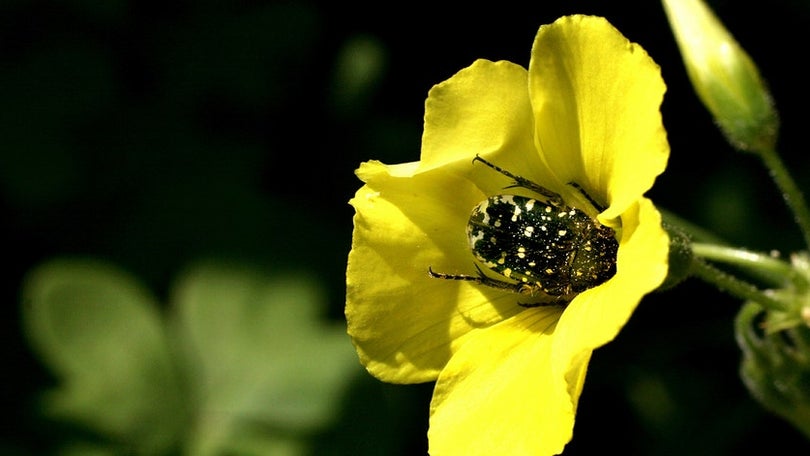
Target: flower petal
x: 595, y: 317
x: 412, y: 216
x: 405, y: 324
x: 499, y: 396
x: 596, y: 98
x: 482, y: 109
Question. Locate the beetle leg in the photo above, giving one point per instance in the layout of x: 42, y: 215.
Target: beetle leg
x: 481, y: 279
x: 590, y: 199
x: 553, y: 198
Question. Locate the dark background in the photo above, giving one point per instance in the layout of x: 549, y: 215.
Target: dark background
x: 152, y: 133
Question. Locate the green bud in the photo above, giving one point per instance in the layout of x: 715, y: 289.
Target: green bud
x: 724, y: 76
x: 776, y: 348
x: 776, y: 365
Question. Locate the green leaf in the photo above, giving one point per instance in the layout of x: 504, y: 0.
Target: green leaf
x: 261, y: 363
x: 100, y: 333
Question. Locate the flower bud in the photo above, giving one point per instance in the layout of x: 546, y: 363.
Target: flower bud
x: 724, y: 76
x: 776, y: 366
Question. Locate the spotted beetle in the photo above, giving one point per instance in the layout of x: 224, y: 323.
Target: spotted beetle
x: 547, y: 250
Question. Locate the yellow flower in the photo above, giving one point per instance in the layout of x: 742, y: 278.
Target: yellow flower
x: 509, y: 377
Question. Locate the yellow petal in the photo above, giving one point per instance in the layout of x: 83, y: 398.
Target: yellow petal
x: 595, y: 317
x: 482, y: 109
x: 596, y: 99
x: 498, y: 396
x: 412, y: 216
x: 405, y: 324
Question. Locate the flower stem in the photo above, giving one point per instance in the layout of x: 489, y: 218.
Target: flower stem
x: 733, y: 285
x: 764, y: 266
x: 790, y: 191
x: 695, y: 232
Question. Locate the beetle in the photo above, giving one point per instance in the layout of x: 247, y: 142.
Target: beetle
x: 539, y: 247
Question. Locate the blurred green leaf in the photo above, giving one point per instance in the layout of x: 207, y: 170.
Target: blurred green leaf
x: 101, y: 334
x: 258, y: 357
x: 242, y: 367
x: 86, y: 449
